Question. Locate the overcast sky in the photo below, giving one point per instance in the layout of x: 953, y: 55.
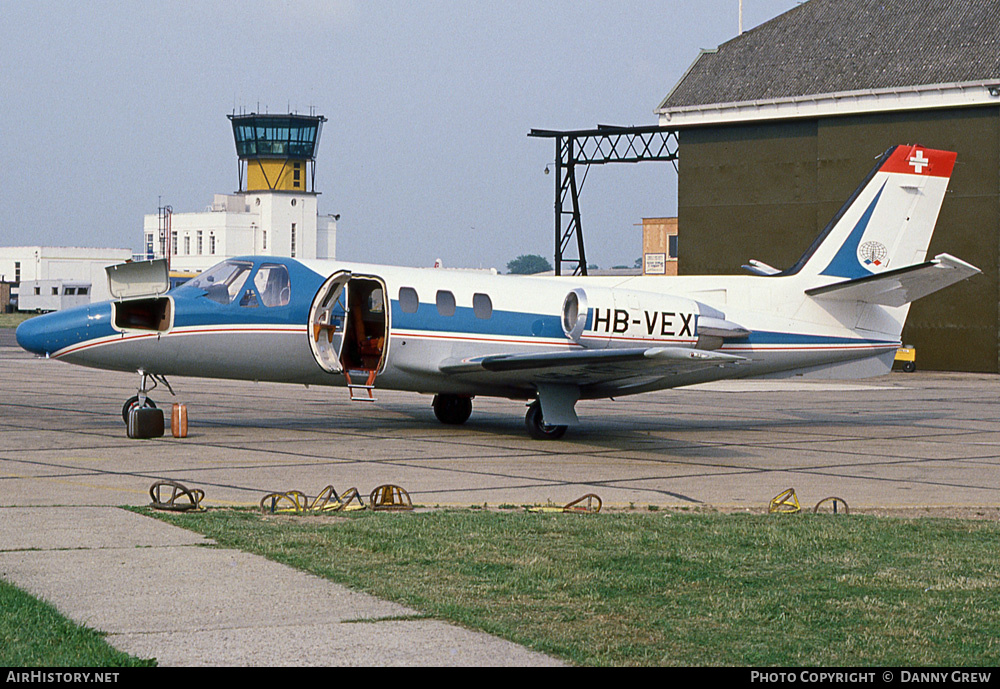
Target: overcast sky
x: 107, y: 106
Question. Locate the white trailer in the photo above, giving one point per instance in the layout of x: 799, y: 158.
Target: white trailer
x: 52, y: 295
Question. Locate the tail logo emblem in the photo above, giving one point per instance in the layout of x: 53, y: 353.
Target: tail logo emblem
x: 872, y: 253
x: 919, y: 162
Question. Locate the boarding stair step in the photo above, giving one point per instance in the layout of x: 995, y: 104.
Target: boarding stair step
x: 361, y: 392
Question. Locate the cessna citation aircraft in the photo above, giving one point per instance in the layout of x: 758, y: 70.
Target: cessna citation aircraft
x: 837, y: 313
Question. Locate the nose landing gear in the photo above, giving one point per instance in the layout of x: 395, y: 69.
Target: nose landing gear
x: 141, y: 399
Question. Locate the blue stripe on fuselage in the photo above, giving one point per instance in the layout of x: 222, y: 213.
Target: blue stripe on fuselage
x: 779, y: 338
x: 505, y: 323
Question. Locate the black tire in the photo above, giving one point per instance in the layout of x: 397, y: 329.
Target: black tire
x: 133, y: 402
x: 537, y: 427
x: 910, y: 366
x: 453, y: 410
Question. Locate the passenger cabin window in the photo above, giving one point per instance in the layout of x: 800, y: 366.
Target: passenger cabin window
x: 272, y: 283
x: 482, y: 306
x: 445, y: 303
x: 409, y: 302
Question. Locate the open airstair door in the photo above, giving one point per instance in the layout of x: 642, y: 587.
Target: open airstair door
x: 349, y: 330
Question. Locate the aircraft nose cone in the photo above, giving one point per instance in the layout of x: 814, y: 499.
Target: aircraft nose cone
x: 31, y: 335
x: 48, y: 333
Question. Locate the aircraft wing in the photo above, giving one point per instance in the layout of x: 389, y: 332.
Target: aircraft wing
x: 590, y: 366
x: 900, y: 286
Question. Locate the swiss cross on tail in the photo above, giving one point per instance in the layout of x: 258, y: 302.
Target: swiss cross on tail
x: 916, y: 160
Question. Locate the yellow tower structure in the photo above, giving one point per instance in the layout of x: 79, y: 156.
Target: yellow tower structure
x: 277, y: 152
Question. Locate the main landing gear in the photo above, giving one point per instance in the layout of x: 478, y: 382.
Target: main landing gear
x: 453, y: 410
x: 537, y: 428
x: 140, y: 399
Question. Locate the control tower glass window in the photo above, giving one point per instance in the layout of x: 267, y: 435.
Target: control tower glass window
x: 276, y: 136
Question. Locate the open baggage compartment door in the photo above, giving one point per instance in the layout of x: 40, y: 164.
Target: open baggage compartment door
x: 138, y: 289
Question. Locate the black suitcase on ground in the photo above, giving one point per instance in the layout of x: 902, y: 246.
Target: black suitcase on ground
x: 145, y: 422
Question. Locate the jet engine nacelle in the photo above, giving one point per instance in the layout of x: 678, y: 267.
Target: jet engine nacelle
x: 599, y: 317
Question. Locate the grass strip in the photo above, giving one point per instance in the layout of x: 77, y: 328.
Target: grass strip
x: 34, y: 634
x: 664, y: 588
x: 12, y: 320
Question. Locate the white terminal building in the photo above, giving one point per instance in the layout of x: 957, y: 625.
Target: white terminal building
x: 60, y: 276
x: 275, y: 212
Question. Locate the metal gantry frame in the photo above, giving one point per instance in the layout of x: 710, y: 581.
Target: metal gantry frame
x: 605, y: 144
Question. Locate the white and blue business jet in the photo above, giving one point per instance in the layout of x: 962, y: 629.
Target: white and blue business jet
x: 837, y: 313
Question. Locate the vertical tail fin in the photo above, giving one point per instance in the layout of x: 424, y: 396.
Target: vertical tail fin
x: 888, y: 221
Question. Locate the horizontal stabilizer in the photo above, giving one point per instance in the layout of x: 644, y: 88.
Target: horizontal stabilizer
x: 900, y: 286
x: 760, y: 268
x: 717, y: 327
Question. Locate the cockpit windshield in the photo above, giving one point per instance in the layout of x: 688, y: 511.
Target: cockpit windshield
x: 229, y: 283
x: 223, y: 282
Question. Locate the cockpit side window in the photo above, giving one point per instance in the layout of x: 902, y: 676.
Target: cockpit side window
x: 272, y: 282
x: 223, y: 282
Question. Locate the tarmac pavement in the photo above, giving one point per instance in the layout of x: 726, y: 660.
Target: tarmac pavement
x: 922, y: 442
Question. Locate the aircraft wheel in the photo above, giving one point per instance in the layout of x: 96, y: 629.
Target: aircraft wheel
x: 453, y: 410
x: 537, y: 427
x: 133, y: 402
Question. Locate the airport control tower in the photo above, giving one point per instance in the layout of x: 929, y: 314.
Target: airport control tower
x: 277, y: 152
x: 274, y: 212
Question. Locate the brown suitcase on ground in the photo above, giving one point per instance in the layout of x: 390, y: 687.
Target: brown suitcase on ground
x: 145, y: 422
x: 179, y: 421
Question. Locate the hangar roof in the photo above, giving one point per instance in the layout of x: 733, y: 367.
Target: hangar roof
x: 856, y: 47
